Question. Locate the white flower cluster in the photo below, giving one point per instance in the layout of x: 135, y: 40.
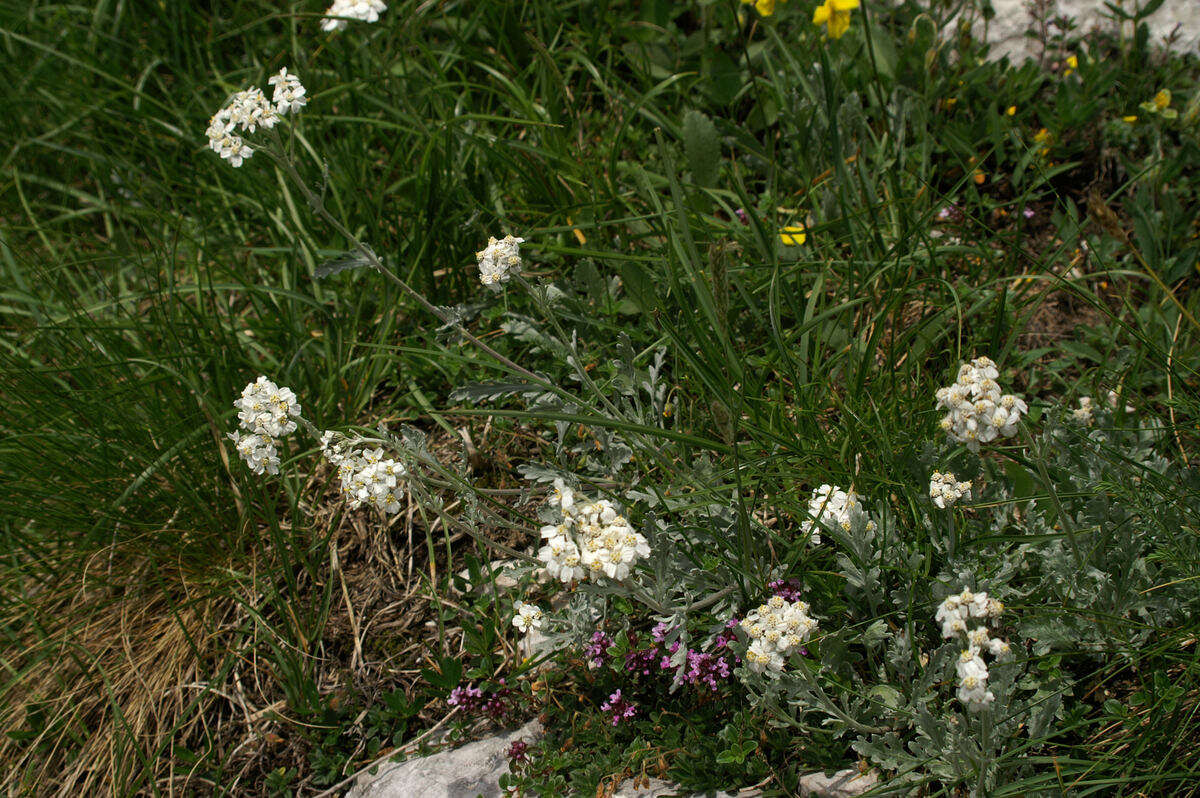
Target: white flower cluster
x: 265, y: 412
x: 499, y: 261
x: 366, y: 476
x: 946, y: 490
x: 953, y: 614
x: 1084, y: 414
x: 342, y: 10
x: 250, y: 110
x: 776, y: 629
x: 832, y: 507
x: 289, y: 92
x: 590, y: 538
x: 527, y: 617
x: 978, y: 413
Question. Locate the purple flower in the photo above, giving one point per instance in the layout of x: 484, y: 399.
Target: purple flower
x: 787, y: 589
x: 1029, y: 213
x: 518, y: 752
x: 597, y: 650
x: 741, y: 215
x: 643, y: 661
x: 620, y: 707
x: 473, y: 701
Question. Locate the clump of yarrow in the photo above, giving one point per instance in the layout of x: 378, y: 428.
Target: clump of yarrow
x: 249, y: 110
x: 977, y: 411
x: 589, y: 538
x: 337, y: 16
x: 832, y: 508
x: 266, y: 413
x: 776, y: 630
x: 499, y: 261
x: 964, y: 617
x: 946, y: 490
x: 366, y: 476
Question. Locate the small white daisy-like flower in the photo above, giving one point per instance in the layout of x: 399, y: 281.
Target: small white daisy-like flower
x: 970, y: 667
x: 946, y: 490
x: 977, y: 411
x: 499, y: 261
x: 527, y: 617
x: 336, y: 15
x: 776, y: 630
x: 1085, y: 413
x: 830, y: 507
x: 257, y: 450
x: 289, y: 92
x: 589, y: 538
x: 267, y: 409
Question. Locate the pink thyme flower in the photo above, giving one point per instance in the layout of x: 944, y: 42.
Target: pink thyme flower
x: 622, y: 709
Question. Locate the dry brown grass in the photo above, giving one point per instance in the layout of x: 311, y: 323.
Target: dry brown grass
x: 145, y: 658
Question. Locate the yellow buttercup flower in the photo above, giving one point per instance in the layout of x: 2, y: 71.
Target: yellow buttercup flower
x: 1160, y: 104
x: 793, y: 235
x: 1130, y: 119
x: 1011, y: 111
x: 1072, y: 65
x: 764, y: 7
x: 835, y: 16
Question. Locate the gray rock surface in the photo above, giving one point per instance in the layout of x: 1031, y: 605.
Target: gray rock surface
x: 475, y: 769
x: 1007, y: 30
x: 466, y: 772
x: 843, y: 784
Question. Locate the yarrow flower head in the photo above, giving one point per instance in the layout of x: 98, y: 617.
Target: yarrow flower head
x: 265, y: 412
x: 831, y: 507
x: 776, y: 630
x: 365, y: 475
x: 527, y: 617
x: 590, y: 538
x: 1085, y: 413
x: 247, y: 111
x: 258, y: 451
x: 977, y: 412
x: 289, y: 93
x: 835, y: 16
x: 946, y: 490
x: 336, y: 15
x: 499, y: 261
x: 964, y: 617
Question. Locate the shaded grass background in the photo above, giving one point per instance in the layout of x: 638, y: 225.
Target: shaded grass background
x: 156, y: 598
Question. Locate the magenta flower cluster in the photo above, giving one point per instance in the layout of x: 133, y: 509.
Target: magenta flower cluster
x: 597, y: 650
x: 495, y: 705
x: 786, y: 589
x: 702, y: 669
x: 622, y: 709
x: 518, y: 753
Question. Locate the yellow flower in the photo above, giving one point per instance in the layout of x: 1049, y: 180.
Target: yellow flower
x: 1012, y: 110
x: 1072, y: 65
x: 1042, y: 136
x: 1130, y: 119
x: 1161, y: 105
x: 793, y: 235
x: 764, y: 7
x: 835, y: 16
